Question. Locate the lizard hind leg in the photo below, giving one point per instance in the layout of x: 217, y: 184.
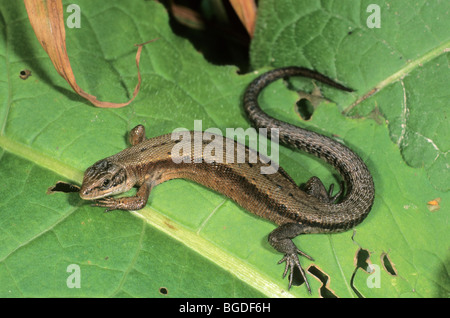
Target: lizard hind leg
x: 281, y: 240
x: 137, y: 135
x: 316, y: 188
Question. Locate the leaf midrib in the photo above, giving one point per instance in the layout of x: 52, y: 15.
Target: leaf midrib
x: 402, y: 72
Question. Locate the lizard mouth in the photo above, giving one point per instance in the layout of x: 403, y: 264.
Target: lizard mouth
x: 87, y: 193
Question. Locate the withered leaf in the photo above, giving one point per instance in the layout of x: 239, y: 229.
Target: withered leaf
x: 47, y: 19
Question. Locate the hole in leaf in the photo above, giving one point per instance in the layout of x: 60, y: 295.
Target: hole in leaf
x: 324, y: 290
x: 163, y: 291
x: 25, y: 74
x: 388, y: 265
x: 361, y: 262
x: 62, y: 186
x: 305, y: 108
x: 361, y: 258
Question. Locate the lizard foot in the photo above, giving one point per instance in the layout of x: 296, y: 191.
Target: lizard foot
x: 292, y: 262
x: 316, y: 188
x: 109, y: 203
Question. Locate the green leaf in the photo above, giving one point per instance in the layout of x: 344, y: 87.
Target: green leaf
x: 190, y: 241
x: 406, y: 57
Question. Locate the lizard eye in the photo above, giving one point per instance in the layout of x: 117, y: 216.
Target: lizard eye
x: 106, y: 183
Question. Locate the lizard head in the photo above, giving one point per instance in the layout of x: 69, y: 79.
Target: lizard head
x: 102, y: 179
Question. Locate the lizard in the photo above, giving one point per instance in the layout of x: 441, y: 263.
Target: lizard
x: 275, y: 197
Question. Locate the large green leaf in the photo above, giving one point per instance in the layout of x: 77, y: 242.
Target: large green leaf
x: 190, y: 240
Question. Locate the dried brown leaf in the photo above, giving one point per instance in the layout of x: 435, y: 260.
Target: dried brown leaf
x: 246, y: 11
x: 47, y: 19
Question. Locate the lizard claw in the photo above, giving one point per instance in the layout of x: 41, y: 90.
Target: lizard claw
x: 334, y: 198
x: 292, y: 261
x: 109, y: 203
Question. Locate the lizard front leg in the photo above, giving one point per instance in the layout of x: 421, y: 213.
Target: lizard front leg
x: 136, y: 202
x: 137, y: 135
